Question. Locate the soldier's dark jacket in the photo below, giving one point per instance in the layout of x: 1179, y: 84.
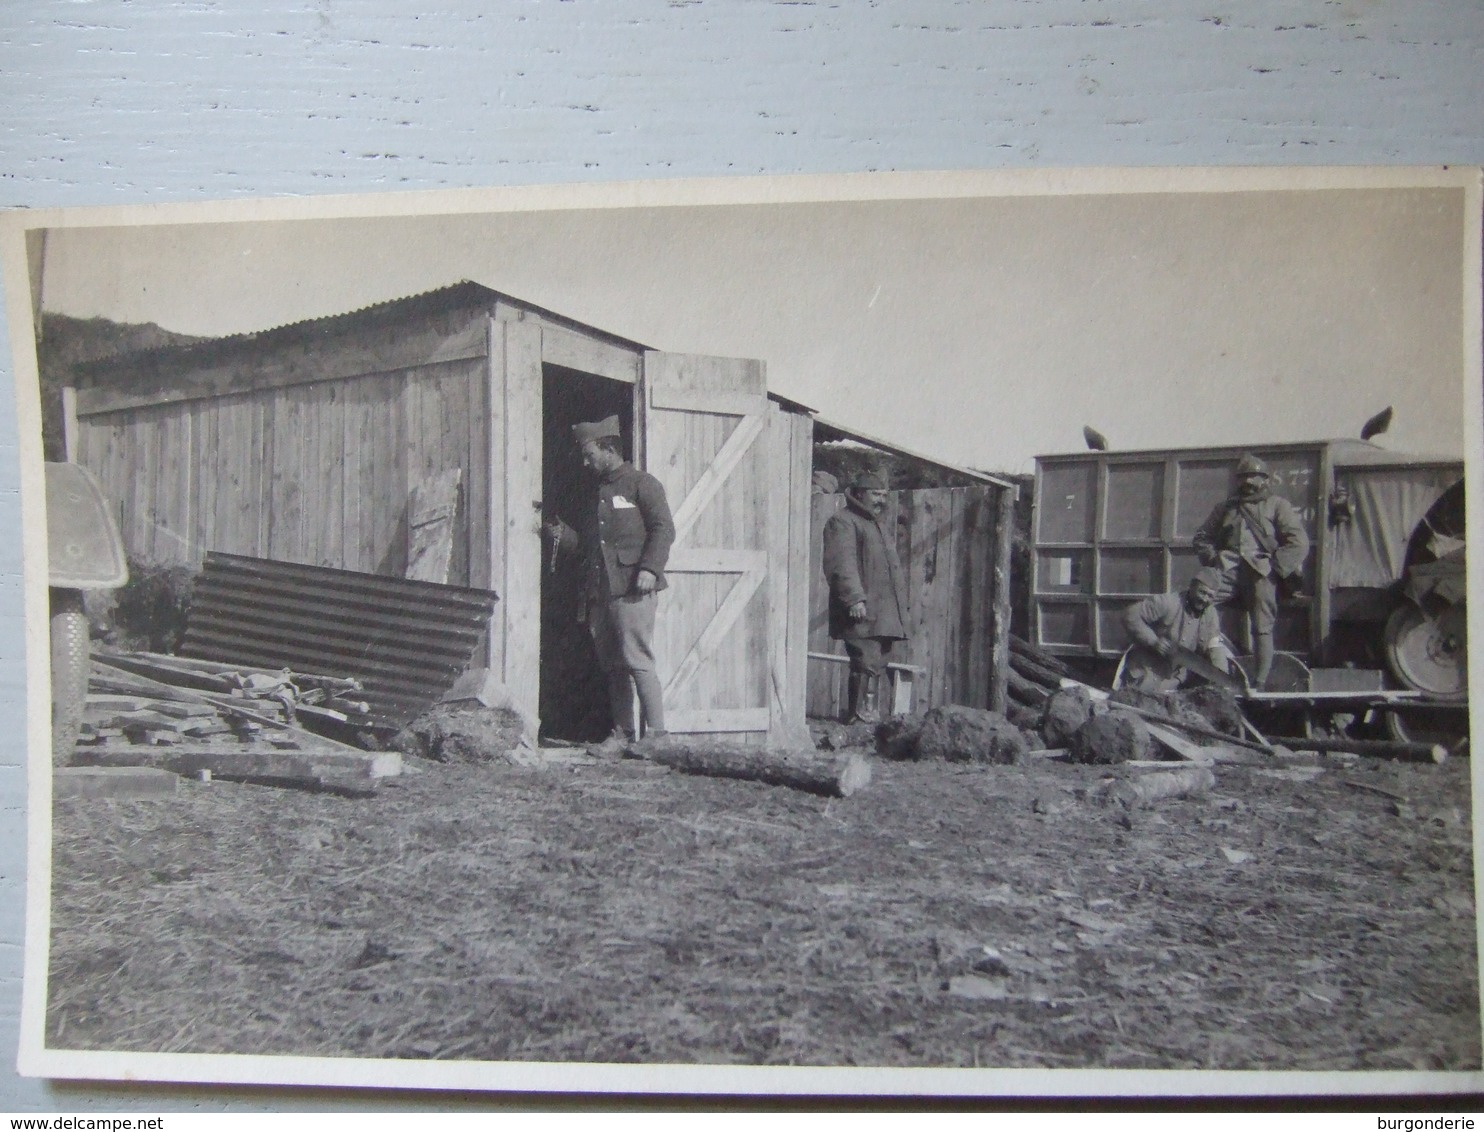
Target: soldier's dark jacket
x: 627, y: 528
x: 860, y: 563
x: 1226, y: 530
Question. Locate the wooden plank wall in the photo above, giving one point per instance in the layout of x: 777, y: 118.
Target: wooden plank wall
x: 318, y: 473
x: 947, y: 539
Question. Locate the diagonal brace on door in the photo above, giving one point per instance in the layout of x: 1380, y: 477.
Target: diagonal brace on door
x: 748, y: 429
x: 752, y: 566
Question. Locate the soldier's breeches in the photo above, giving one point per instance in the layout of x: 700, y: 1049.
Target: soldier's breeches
x: 1259, y: 597
x: 869, y: 655
x: 623, y: 637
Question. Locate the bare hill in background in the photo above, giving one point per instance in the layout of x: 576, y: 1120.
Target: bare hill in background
x: 63, y: 341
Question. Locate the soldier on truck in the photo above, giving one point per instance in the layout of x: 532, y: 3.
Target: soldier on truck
x: 1256, y: 540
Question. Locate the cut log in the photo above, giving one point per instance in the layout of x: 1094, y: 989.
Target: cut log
x: 1022, y: 647
x: 1379, y: 748
x: 1155, y: 786
x: 1039, y: 673
x: 1025, y: 691
x: 833, y: 777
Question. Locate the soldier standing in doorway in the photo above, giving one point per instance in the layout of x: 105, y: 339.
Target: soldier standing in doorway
x: 625, y: 537
x: 867, y: 612
x: 1256, y: 540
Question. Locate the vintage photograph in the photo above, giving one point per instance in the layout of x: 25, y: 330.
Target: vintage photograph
x: 978, y: 623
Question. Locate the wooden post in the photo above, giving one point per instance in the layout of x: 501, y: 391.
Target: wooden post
x: 69, y: 424
x: 1319, y: 611
x: 521, y: 600
x: 494, y: 455
x: 1000, y: 653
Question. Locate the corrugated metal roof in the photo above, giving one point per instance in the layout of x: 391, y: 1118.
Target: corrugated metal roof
x: 465, y: 293
x: 826, y: 431
x: 406, y: 641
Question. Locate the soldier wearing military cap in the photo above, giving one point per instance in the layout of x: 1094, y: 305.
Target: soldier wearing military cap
x: 1165, y: 627
x: 1256, y: 540
x: 625, y: 537
x: 867, y: 610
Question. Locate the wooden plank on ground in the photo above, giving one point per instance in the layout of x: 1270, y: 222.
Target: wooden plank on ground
x: 167, y: 673
x: 316, y: 767
x: 1176, y: 743
x: 117, y: 782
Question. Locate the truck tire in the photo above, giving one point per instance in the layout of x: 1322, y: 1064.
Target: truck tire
x: 70, y: 662
x: 1428, y: 652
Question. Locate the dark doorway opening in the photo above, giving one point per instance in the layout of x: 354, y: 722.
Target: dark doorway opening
x: 573, y: 697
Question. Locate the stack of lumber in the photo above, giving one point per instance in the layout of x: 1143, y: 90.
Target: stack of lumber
x: 213, y: 720
x: 306, y: 697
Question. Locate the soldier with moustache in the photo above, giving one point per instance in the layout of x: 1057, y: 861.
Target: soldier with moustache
x: 625, y: 536
x: 1162, y: 627
x: 867, y: 610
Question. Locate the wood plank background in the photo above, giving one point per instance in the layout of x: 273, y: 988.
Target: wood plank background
x: 318, y: 473
x: 133, y: 104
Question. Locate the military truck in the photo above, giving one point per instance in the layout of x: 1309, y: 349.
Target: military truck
x: 1382, y: 608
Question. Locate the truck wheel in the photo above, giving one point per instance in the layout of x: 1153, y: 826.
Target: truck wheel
x: 1418, y: 725
x: 70, y: 664
x: 1430, y: 653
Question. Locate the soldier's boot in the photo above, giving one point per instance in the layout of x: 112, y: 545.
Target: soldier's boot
x: 855, y: 691
x: 1262, y: 651
x: 870, y: 710
x: 621, y: 701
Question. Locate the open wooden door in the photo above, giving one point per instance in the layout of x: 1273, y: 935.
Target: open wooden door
x: 724, y: 454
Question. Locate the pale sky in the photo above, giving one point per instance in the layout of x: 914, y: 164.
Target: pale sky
x: 982, y: 331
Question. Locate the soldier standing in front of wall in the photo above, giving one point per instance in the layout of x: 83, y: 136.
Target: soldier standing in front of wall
x: 625, y: 536
x: 867, y: 611
x: 1257, y: 541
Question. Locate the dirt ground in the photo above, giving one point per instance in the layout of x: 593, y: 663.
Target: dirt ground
x: 1313, y: 916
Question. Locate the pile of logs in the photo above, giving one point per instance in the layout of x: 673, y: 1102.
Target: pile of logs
x: 1034, y: 674
x: 208, y: 719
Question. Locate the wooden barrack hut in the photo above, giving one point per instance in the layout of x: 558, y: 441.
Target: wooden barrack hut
x: 338, y: 441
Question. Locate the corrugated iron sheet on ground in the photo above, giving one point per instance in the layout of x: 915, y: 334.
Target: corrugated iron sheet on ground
x: 407, y: 642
